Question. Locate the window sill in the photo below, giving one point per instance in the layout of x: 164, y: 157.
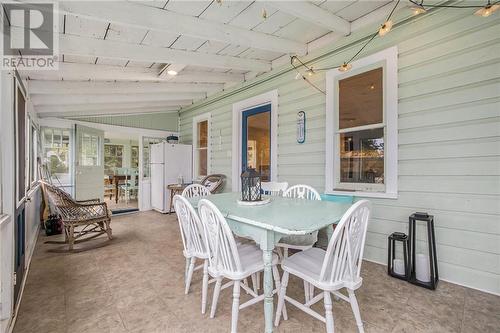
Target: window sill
x: 382, y: 195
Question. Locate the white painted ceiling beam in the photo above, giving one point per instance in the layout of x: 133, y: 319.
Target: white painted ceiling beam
x: 105, y: 107
x: 84, y: 46
x: 145, y: 17
x: 98, y: 112
x: 378, y: 16
x: 114, y: 98
x: 313, y: 14
x: 93, y: 87
x: 84, y: 72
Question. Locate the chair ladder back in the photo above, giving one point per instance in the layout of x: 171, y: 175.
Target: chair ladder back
x: 274, y: 188
x: 195, y: 190
x: 345, y: 251
x: 190, y: 226
x: 302, y: 192
x: 223, y: 253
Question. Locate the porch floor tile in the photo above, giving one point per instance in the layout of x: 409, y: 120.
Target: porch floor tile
x: 135, y: 284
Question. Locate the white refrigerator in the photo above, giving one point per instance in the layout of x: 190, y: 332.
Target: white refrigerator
x: 168, y: 162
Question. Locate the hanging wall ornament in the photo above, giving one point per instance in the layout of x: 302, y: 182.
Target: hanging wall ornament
x: 301, y: 127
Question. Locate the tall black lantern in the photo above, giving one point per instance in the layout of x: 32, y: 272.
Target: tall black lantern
x: 430, y: 260
x: 250, y: 185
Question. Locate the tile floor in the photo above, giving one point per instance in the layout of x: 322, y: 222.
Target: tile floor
x: 135, y: 284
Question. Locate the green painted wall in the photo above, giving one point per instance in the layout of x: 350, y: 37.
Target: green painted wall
x: 157, y: 121
x: 449, y: 133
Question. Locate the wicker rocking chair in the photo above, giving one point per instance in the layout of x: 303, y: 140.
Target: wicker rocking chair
x: 82, y: 220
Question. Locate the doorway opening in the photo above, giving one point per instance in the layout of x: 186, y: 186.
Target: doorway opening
x: 121, y: 172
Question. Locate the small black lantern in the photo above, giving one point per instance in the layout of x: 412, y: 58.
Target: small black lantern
x: 394, y: 268
x: 250, y: 185
x: 422, y: 261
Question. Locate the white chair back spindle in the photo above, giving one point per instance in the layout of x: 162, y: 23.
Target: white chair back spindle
x: 224, y: 257
x: 191, y: 228
x: 345, y: 251
x: 195, y: 190
x: 274, y: 188
x: 302, y: 192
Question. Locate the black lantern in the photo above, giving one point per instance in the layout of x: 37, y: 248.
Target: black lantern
x: 426, y: 263
x: 397, y: 268
x: 250, y: 185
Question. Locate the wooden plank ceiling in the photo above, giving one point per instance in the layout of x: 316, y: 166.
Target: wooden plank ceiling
x: 120, y: 52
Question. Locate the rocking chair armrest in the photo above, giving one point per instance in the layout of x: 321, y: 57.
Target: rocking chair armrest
x: 85, y: 211
x: 96, y: 200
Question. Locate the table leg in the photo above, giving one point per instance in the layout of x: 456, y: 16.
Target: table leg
x: 171, y: 199
x: 116, y: 189
x: 267, y: 246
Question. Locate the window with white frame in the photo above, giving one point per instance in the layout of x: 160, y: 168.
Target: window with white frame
x: 362, y: 127
x: 201, y: 146
x: 56, y: 154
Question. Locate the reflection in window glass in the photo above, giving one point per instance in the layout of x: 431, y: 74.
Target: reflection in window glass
x: 361, y: 99
x: 113, y: 158
x: 55, y: 155
x: 89, y: 150
x: 259, y: 144
x: 362, y: 156
x: 201, y: 149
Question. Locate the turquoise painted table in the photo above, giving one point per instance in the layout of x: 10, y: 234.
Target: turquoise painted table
x: 267, y: 224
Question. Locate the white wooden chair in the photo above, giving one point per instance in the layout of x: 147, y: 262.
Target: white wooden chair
x: 331, y: 270
x: 300, y: 242
x: 195, y: 190
x: 274, y: 188
x: 230, y: 260
x: 194, y: 244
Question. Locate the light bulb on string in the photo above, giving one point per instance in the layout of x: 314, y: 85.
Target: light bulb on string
x: 263, y: 13
x: 310, y: 72
x: 385, y: 28
x: 298, y: 76
x: 345, y: 67
x: 418, y: 9
x: 487, y: 10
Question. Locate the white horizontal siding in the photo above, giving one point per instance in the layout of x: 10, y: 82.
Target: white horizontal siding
x: 449, y: 139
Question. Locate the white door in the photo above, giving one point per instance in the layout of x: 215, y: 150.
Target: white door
x: 89, y: 163
x: 158, y: 187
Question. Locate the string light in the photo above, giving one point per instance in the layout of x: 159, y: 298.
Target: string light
x: 385, y: 28
x: 310, y: 72
x: 484, y: 10
x: 172, y: 73
x: 263, y: 13
x: 418, y: 9
x: 345, y: 67
x: 487, y: 10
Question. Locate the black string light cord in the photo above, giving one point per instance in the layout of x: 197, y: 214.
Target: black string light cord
x: 422, y: 4
x: 310, y: 70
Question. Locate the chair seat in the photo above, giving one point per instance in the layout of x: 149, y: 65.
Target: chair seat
x: 251, y: 262
x: 307, y: 266
x: 301, y: 242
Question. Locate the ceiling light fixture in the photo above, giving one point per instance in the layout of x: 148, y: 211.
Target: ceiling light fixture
x: 172, y: 72
x: 385, y: 28
x: 487, y: 10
